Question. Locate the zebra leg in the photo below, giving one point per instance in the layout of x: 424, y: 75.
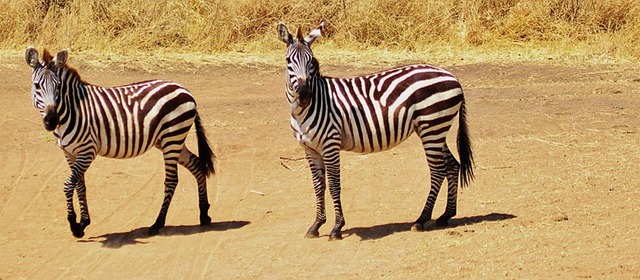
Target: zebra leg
x: 170, y: 183
x: 191, y: 162
x: 75, y: 181
x: 316, y: 164
x: 69, y: 188
x: 438, y: 172
x: 332, y: 161
x: 81, y: 190
x: 453, y: 168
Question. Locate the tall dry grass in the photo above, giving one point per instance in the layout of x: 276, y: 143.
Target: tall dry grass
x: 608, y: 28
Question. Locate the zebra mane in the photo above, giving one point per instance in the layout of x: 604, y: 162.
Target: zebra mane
x: 299, y: 35
x: 46, y: 61
x: 46, y: 57
x: 317, y: 65
x: 74, y: 73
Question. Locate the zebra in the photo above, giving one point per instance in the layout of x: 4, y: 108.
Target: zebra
x: 374, y: 113
x: 118, y: 122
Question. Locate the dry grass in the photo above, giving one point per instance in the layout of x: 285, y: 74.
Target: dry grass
x: 446, y: 30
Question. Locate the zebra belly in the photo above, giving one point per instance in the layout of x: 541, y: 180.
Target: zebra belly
x: 124, y: 146
x: 348, y: 143
x: 381, y: 130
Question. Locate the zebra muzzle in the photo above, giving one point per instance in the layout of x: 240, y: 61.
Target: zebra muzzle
x: 50, y: 119
x: 304, y: 94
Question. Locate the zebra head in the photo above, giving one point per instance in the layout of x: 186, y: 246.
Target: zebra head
x: 46, y: 84
x: 302, y: 66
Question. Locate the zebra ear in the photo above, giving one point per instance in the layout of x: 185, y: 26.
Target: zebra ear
x: 314, y: 34
x: 284, y: 34
x: 31, y: 57
x: 61, y: 58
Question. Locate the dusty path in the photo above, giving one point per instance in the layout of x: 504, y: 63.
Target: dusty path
x: 557, y: 189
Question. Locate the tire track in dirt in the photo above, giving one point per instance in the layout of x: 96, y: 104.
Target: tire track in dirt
x: 132, y: 202
x: 18, y: 175
x: 66, y: 271
x: 91, y: 260
x: 4, y: 158
x: 45, y: 184
x: 216, y: 247
x: 236, y: 150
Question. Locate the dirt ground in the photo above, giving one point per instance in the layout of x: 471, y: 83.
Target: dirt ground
x: 557, y: 189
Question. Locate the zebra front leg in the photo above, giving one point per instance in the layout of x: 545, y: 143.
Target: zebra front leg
x: 453, y: 169
x: 332, y: 161
x: 81, y: 190
x: 69, y: 188
x: 170, y: 183
x: 77, y: 228
x: 317, y: 167
x: 75, y: 181
x: 192, y: 162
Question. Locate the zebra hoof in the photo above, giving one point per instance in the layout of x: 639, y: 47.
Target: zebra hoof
x: 77, y: 230
x: 417, y: 228
x: 335, y: 236
x: 78, y: 234
x: 205, y: 221
x: 153, y: 231
x: 312, y: 234
x: 442, y: 222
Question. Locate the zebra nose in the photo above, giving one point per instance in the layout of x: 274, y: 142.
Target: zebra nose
x: 302, y: 82
x: 50, y: 120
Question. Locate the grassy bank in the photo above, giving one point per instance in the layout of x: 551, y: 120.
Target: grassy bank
x: 583, y: 30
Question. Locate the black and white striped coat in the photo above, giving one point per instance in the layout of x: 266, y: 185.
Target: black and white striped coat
x: 373, y: 113
x: 118, y: 122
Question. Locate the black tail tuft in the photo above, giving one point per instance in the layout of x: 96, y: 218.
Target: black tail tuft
x: 204, y: 149
x: 464, y: 149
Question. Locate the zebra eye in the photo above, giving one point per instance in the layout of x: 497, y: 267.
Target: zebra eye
x: 37, y: 86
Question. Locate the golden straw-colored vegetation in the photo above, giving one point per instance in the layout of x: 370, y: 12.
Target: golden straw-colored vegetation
x: 581, y: 30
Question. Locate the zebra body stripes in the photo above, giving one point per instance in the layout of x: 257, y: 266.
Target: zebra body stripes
x: 118, y: 122
x: 374, y: 113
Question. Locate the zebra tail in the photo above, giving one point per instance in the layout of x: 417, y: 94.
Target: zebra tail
x: 464, y: 149
x: 205, y: 154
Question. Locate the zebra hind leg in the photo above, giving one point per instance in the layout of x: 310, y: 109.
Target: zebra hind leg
x: 453, y: 169
x: 170, y: 183
x: 191, y: 162
x: 438, y: 173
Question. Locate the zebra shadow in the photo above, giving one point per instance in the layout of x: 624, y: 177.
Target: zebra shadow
x: 138, y: 236
x: 380, y: 231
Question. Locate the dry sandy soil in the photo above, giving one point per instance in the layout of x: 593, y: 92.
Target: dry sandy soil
x: 557, y: 189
